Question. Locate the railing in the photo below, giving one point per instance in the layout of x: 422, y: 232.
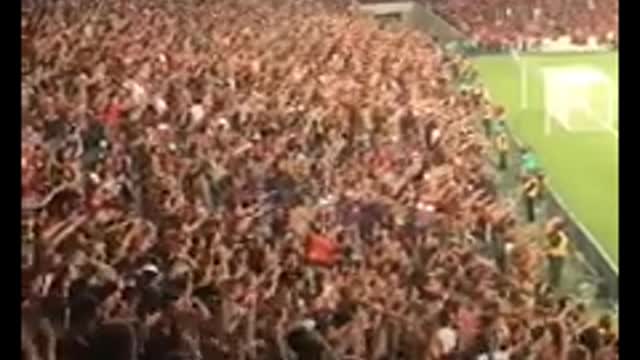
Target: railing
x: 603, y: 271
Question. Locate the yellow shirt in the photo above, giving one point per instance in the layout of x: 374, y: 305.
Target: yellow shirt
x: 560, y: 249
x: 532, y: 187
x: 502, y: 143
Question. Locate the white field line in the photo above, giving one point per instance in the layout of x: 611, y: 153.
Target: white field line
x: 521, y: 64
x: 523, y: 79
x: 586, y: 108
x: 584, y: 229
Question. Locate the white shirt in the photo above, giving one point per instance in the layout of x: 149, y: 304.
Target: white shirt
x: 197, y: 113
x: 537, y: 12
x: 160, y: 105
x: 497, y: 355
x: 138, y: 93
x: 448, y: 338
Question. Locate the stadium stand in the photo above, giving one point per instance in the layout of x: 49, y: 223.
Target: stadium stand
x: 504, y: 23
x: 267, y: 180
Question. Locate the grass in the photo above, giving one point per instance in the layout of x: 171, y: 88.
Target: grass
x: 581, y: 166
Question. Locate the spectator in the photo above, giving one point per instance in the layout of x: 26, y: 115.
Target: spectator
x: 495, y: 22
x: 204, y: 143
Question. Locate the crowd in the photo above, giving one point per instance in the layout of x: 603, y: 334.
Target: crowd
x: 267, y: 180
x: 506, y: 23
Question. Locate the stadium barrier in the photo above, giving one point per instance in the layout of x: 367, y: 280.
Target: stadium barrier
x: 562, y: 45
x: 426, y: 19
x: 415, y: 16
x: 603, y: 271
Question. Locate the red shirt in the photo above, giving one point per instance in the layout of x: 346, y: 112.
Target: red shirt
x: 112, y: 115
x: 469, y: 325
x: 321, y: 250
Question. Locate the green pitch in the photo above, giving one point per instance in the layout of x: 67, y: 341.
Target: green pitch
x: 566, y: 108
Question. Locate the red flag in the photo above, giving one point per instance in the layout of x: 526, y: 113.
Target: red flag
x: 321, y: 250
x: 113, y: 115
